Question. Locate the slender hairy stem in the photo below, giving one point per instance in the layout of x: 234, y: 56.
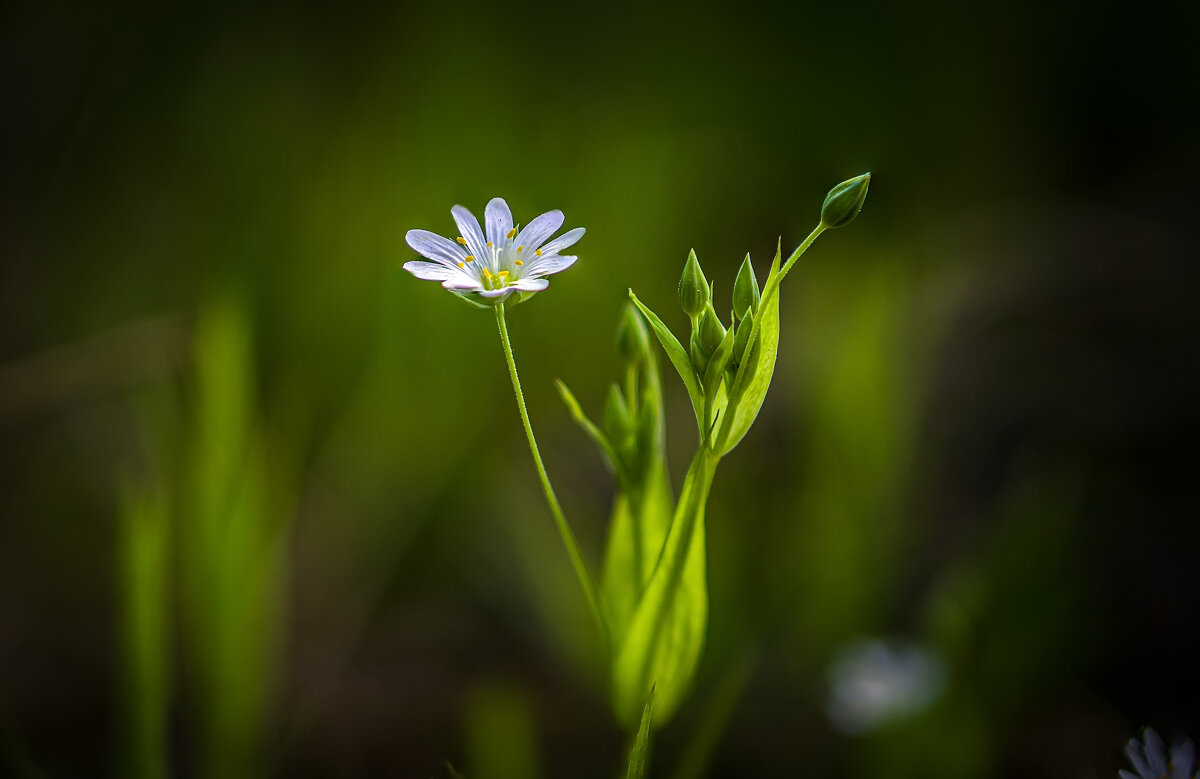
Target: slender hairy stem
x: 568, y: 537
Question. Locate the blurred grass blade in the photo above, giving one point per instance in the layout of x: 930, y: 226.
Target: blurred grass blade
x: 639, y: 756
x: 142, y: 552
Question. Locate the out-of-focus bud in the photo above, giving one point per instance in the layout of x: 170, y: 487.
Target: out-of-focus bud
x: 618, y: 419
x: 699, y: 358
x: 711, y: 331
x: 844, y: 201
x: 633, y: 340
x: 693, y: 287
x: 745, y: 290
x: 742, y: 340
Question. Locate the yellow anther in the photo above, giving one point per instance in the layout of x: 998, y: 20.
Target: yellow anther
x: 503, y: 274
x: 490, y: 244
x: 469, y: 258
x: 518, y: 263
x: 487, y: 273
x: 461, y: 240
x: 512, y: 233
x: 521, y: 248
x: 462, y: 265
x: 539, y: 252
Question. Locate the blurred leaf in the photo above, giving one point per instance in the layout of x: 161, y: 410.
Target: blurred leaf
x: 666, y: 636
x: 635, y: 537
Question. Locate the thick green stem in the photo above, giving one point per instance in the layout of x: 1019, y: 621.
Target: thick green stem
x: 564, y: 529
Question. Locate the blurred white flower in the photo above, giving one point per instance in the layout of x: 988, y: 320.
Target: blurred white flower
x: 873, y: 683
x: 1150, y: 759
x: 496, y: 264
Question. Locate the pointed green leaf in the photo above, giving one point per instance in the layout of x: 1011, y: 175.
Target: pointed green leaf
x: 678, y: 357
x: 589, y: 427
x: 757, y: 367
x: 639, y: 756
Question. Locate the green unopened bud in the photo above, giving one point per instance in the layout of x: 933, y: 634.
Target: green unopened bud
x: 742, y: 340
x: 633, y: 341
x: 699, y: 358
x: 844, y: 201
x: 618, y: 419
x: 711, y: 331
x: 693, y: 287
x: 745, y: 290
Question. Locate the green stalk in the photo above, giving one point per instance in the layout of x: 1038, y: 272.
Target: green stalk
x: 564, y: 529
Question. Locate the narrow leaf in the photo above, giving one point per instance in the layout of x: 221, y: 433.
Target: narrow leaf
x: 589, y: 427
x: 639, y: 756
x: 757, y: 367
x: 678, y: 356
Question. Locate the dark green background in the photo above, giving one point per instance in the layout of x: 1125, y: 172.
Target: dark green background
x: 981, y: 434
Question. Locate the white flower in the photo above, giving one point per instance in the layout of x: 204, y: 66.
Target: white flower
x: 499, y: 263
x: 873, y: 683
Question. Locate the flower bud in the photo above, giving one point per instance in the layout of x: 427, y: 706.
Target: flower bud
x: 633, y: 341
x: 844, y: 201
x: 699, y: 358
x: 618, y: 420
x: 745, y: 290
x: 742, y: 340
x: 693, y: 287
x: 711, y: 331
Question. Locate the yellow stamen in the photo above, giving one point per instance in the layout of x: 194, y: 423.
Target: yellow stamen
x: 462, y: 265
x: 521, y: 248
x: 461, y: 240
x: 512, y: 233
x: 487, y: 273
x: 518, y: 263
x: 469, y: 258
x: 503, y: 275
x: 490, y: 244
x: 539, y: 252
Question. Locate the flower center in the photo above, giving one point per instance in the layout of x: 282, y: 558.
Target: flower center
x: 498, y: 280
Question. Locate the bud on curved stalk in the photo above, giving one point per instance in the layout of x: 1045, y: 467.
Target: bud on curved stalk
x: 693, y: 287
x: 745, y: 291
x: 633, y: 341
x: 844, y: 201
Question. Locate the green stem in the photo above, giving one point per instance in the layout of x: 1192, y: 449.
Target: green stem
x: 568, y: 537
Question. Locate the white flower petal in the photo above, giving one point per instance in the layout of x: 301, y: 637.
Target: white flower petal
x: 529, y: 285
x: 541, y: 228
x: 499, y: 221
x: 462, y: 282
x: 468, y: 225
x: 435, y: 247
x: 433, y: 271
x: 496, y: 293
x: 569, y: 238
x: 548, y: 265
